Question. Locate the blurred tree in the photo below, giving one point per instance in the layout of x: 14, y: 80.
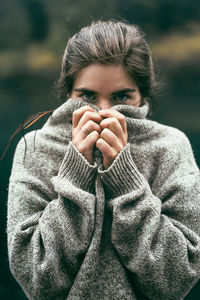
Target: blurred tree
x: 68, y: 16
x: 37, y: 18
x: 159, y: 15
x: 22, y: 22
x: 14, y: 29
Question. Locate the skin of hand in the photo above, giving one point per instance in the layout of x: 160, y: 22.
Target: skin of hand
x: 86, y: 130
x: 106, y: 129
x: 113, y: 137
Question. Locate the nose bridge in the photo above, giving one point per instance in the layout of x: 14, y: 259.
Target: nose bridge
x: 104, y: 103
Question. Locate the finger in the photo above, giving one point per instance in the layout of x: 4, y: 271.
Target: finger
x: 104, y: 147
x: 109, y: 154
x: 89, y: 115
x: 89, y: 127
x: 90, y: 140
x: 87, y: 145
x: 78, y: 135
x: 109, y: 137
x: 114, y: 125
x: 78, y: 113
x: 111, y: 113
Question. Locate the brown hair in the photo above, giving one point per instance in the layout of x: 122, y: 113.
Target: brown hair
x: 109, y: 42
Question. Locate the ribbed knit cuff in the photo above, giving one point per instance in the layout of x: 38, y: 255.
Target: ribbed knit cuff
x: 122, y: 176
x: 77, y: 170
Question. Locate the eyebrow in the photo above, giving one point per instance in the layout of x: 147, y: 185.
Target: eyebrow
x: 128, y: 90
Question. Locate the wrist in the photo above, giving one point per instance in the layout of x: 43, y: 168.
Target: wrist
x: 122, y: 176
x: 77, y: 170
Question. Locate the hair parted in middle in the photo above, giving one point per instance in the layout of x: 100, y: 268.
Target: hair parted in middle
x: 110, y: 42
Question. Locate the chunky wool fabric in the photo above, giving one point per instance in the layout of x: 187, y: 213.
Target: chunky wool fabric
x: 77, y: 231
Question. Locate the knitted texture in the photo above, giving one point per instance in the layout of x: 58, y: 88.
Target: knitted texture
x: 77, y: 231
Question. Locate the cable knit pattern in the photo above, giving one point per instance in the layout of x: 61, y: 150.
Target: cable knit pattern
x: 77, y: 231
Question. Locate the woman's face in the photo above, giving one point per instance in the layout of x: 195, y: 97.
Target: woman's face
x: 105, y: 86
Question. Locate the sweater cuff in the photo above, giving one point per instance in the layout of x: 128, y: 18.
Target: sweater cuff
x: 122, y: 176
x: 77, y: 170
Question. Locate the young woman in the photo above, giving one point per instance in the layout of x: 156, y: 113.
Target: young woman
x: 104, y: 203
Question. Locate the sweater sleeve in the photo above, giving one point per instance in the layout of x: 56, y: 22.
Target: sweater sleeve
x: 50, y: 225
x: 157, y: 235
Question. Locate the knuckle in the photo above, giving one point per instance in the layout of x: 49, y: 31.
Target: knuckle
x: 93, y: 126
x: 88, y: 114
x: 88, y: 127
x: 90, y: 124
x: 99, y: 142
x: 113, y: 121
x: 121, y: 118
x: 86, y: 130
x: 104, y: 132
x: 82, y: 110
x: 95, y: 133
x: 87, y: 107
x: 75, y: 113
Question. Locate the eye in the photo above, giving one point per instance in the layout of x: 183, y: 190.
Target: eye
x: 121, y: 97
x: 88, y: 96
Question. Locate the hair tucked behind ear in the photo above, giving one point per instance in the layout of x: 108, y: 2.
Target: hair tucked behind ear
x: 110, y: 42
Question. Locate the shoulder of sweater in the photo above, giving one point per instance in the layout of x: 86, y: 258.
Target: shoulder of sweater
x: 172, y: 143
x: 162, y: 141
x: 35, y: 160
x: 36, y: 148
x: 169, y: 133
x: 26, y: 141
x: 43, y: 140
x: 25, y: 150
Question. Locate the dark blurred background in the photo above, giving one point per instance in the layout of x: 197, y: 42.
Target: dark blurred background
x: 33, y: 35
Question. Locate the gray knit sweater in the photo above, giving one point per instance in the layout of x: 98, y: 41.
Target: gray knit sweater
x: 76, y: 231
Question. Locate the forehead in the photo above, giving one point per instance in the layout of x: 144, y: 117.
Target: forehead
x: 97, y: 76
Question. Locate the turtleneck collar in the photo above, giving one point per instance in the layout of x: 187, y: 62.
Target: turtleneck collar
x: 70, y: 105
x: 135, y: 116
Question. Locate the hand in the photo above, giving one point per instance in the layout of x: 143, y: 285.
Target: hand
x: 86, y: 130
x: 113, y: 137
